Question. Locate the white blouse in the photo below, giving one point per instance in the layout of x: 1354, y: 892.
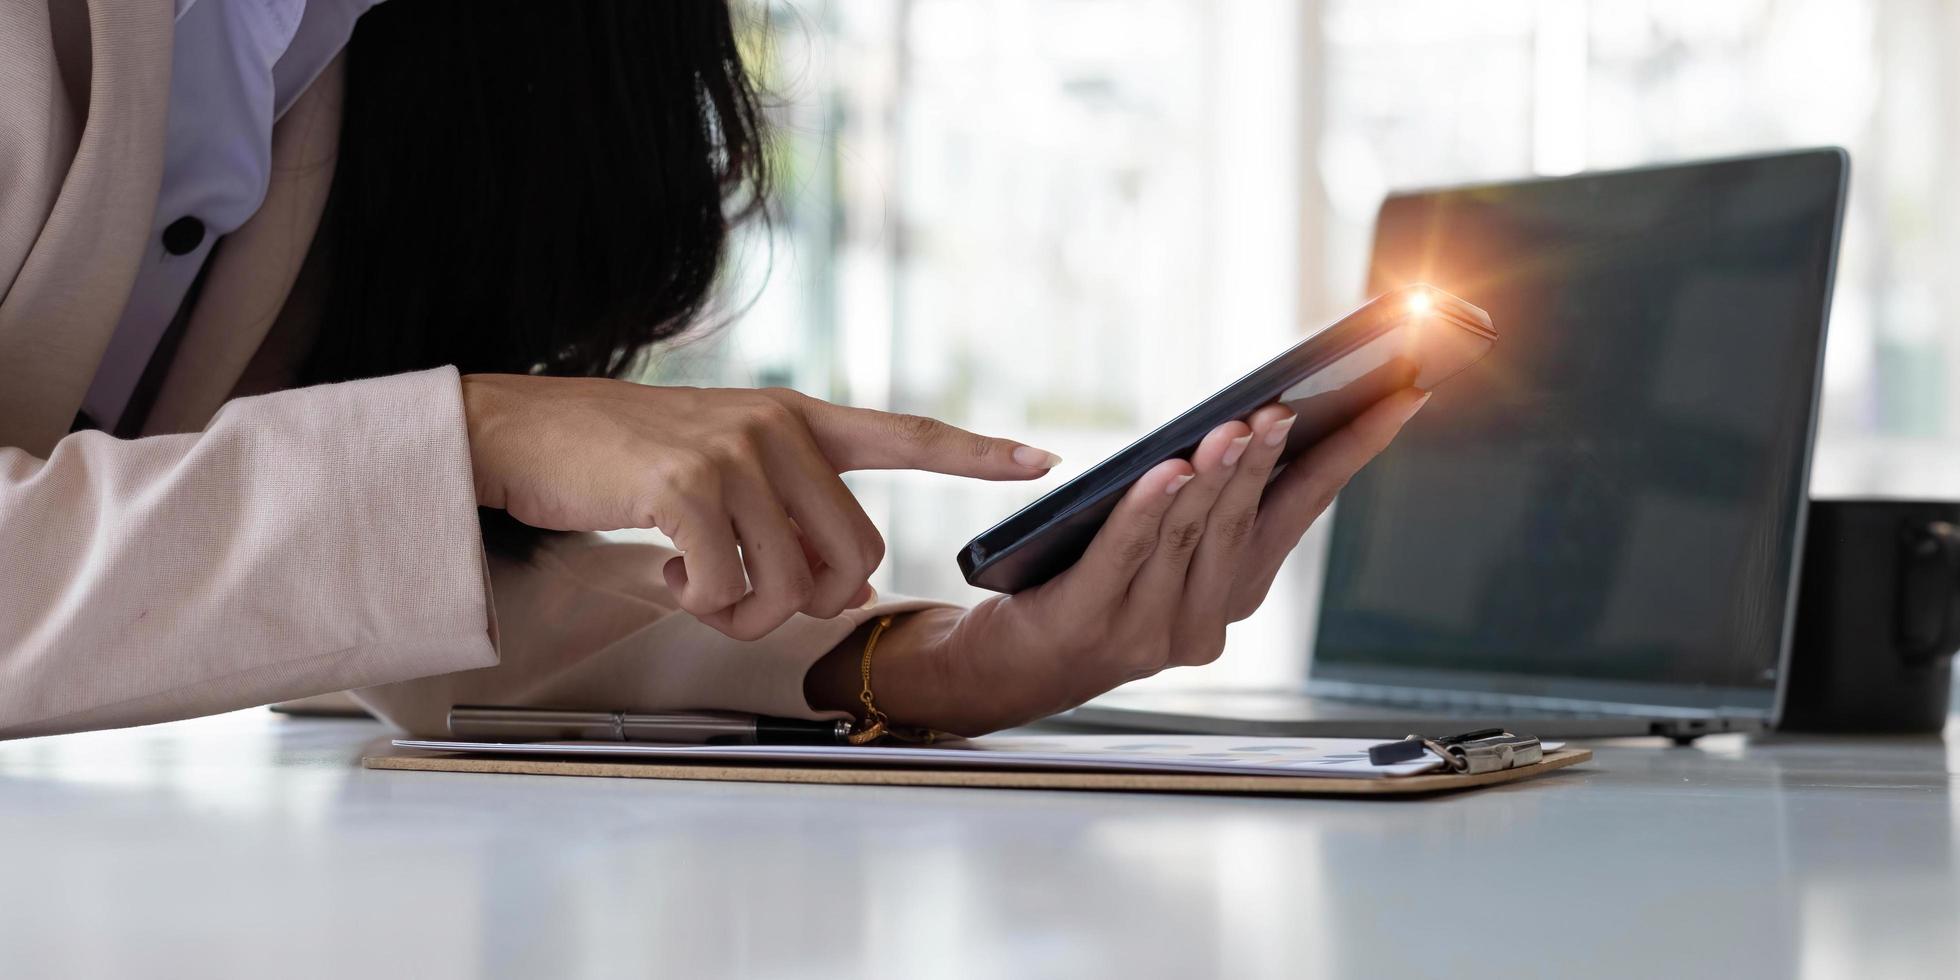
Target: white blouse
x: 236, y: 66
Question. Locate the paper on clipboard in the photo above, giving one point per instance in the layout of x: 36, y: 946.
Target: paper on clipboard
x: 1194, y: 754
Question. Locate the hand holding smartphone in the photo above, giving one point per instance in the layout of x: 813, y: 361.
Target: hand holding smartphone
x: 1416, y: 336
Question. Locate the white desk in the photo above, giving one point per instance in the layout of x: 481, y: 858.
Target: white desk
x: 254, y: 845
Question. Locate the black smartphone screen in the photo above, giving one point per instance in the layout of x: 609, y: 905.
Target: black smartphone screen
x: 1416, y: 336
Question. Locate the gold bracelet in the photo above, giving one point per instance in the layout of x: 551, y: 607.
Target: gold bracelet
x: 876, y: 724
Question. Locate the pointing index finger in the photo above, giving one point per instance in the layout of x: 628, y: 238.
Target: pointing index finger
x: 865, y: 439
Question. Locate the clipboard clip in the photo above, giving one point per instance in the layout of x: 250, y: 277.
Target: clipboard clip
x: 1484, y: 750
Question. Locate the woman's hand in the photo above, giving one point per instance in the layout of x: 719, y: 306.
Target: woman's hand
x: 745, y: 482
x: 1191, y: 548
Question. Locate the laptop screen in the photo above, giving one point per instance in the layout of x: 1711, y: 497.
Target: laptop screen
x: 1608, y: 506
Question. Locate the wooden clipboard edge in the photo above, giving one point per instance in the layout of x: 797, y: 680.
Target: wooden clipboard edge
x: 1394, y: 787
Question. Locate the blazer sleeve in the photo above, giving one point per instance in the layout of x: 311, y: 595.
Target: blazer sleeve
x: 589, y: 623
x: 307, y: 541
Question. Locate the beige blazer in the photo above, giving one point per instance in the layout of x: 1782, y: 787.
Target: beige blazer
x: 256, y: 549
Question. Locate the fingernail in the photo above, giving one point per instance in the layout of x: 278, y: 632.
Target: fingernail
x: 1277, y: 437
x: 1236, y: 449
x: 1177, y: 483
x: 1036, y: 459
x: 871, y: 598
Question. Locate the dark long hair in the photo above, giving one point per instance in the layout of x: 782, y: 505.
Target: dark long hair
x: 532, y: 186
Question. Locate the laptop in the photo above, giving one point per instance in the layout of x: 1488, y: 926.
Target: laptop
x: 1596, y: 531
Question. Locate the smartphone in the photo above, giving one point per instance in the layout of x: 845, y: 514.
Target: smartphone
x: 1415, y: 336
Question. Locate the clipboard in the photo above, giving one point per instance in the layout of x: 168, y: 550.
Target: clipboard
x: 1388, y: 787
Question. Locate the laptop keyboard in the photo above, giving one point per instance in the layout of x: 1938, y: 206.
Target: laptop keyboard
x: 1470, y: 702
x: 1337, y: 703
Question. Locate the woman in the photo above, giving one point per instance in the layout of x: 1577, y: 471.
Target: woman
x: 278, y: 318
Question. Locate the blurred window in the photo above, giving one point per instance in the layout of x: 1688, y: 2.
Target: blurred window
x: 1064, y: 220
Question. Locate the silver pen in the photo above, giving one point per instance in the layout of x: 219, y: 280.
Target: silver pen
x: 483, y: 723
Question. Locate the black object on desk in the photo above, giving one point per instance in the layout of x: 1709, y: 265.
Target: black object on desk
x: 1878, y: 618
